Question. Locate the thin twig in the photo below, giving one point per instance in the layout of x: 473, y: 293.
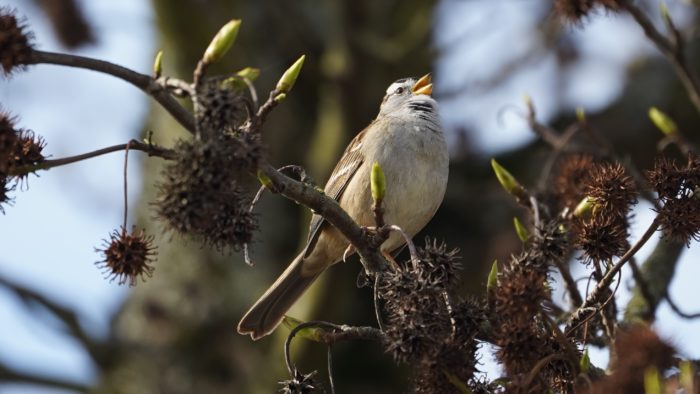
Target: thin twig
x: 678, y: 311
x: 152, y: 150
x: 674, y: 53
x: 146, y: 83
x: 605, y: 282
x: 329, y: 357
x: 126, y: 203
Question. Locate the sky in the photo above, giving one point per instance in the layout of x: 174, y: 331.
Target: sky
x: 47, y: 238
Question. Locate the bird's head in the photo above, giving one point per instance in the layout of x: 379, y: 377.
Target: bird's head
x: 410, y: 96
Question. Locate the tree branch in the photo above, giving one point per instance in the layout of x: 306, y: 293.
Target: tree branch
x: 151, y: 149
x: 672, y: 49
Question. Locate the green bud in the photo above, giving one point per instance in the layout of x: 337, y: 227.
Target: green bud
x: 158, y: 64
x: 289, y: 77
x: 249, y: 73
x: 520, y: 229
x: 222, y: 42
x: 378, y: 183
x: 311, y: 333
x: 584, y: 208
x: 580, y: 114
x: 585, y: 362
x: 265, y: 180
x: 663, y: 8
x: 508, y: 181
x: 280, y: 97
x: 527, y: 100
x: 663, y: 122
x: 236, y: 83
x: 492, y: 281
x: 652, y: 381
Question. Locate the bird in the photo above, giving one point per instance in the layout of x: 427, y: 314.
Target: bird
x: 407, y: 140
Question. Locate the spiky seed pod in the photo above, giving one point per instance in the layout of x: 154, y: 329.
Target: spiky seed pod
x: 27, y: 152
x: 18, y: 148
x: 613, y: 191
x: 549, y: 246
x: 602, y: 232
x: 568, y: 184
x: 637, y: 348
x: 300, y: 384
x: 5, y: 189
x: 438, y: 266
x: 201, y: 193
x: 677, y: 188
x: 574, y: 11
x: 418, y: 318
x: 601, y: 238
x: 127, y: 256
x: 456, y: 358
x: 15, y: 42
x: 218, y: 107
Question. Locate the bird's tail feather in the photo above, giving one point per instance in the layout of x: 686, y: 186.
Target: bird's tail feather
x: 269, y: 310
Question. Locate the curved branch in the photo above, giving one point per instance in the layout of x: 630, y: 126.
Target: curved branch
x: 144, y: 82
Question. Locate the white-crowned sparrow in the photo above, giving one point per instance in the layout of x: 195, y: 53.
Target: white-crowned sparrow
x: 406, y: 139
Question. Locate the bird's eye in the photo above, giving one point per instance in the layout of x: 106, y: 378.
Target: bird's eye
x: 399, y: 90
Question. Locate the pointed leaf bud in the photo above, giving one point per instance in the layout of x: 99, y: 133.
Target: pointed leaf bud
x: 289, y: 77
x: 492, y: 281
x: 663, y: 122
x: 520, y: 229
x: 585, y: 362
x: 280, y: 97
x: 378, y: 183
x: 158, y: 65
x: 509, y: 183
x: 580, y: 114
x: 237, y: 82
x: 222, y: 42
x: 249, y: 73
x: 584, y: 208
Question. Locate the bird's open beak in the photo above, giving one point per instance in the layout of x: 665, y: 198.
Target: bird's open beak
x: 424, y: 85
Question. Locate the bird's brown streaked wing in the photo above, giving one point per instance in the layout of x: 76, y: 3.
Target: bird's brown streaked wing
x: 348, y: 164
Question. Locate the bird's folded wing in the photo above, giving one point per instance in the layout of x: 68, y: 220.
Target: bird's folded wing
x: 348, y: 164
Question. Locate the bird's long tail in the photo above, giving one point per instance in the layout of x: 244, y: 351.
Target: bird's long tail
x: 267, y: 313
